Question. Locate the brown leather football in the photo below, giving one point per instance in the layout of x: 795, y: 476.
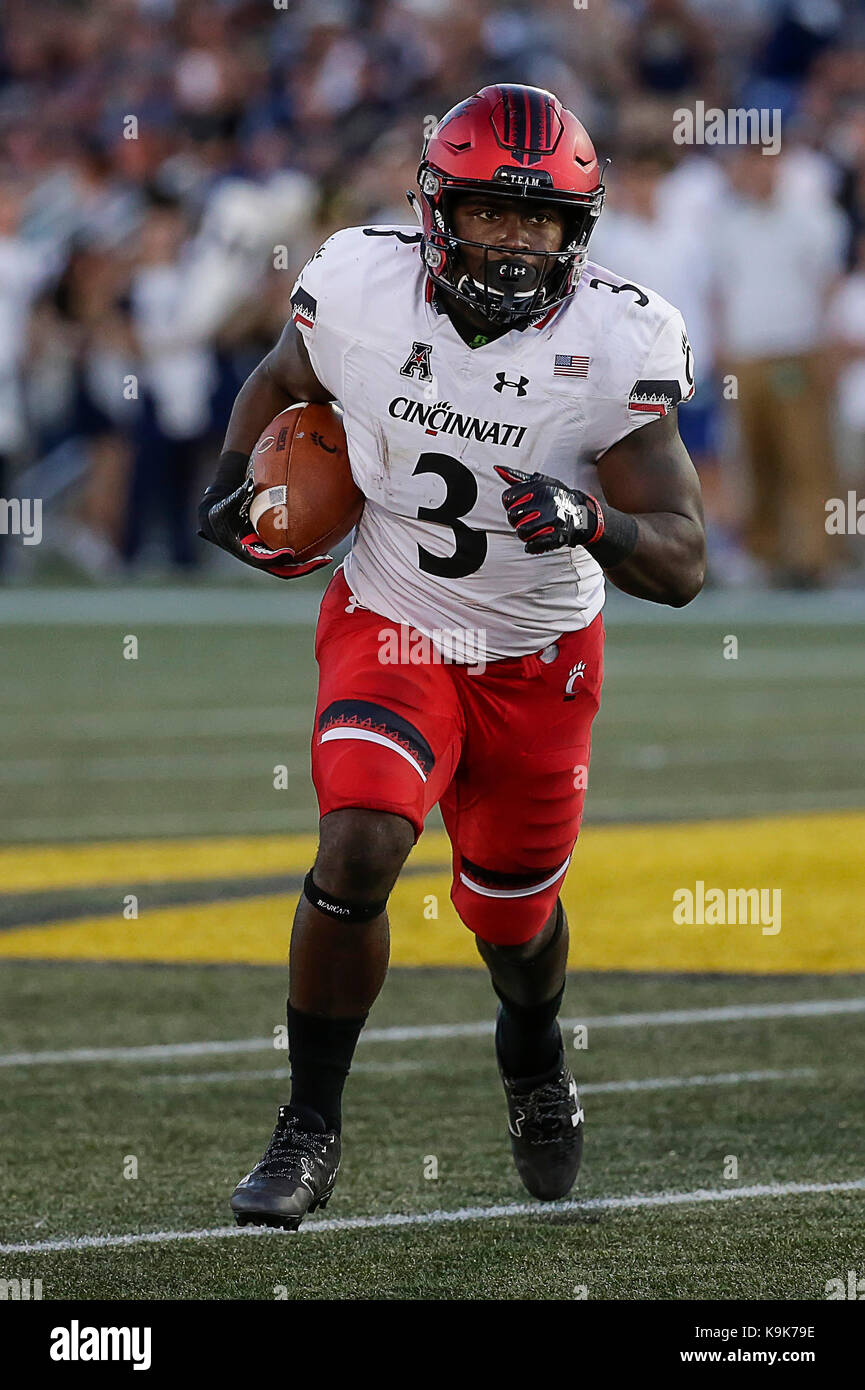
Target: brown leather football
x: 305, y: 496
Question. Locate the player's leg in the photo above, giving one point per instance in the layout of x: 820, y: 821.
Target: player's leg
x: 385, y: 744
x: 338, y: 961
x: 529, y: 980
x: 513, y: 814
x: 339, y: 953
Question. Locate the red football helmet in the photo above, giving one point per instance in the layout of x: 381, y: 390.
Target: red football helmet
x: 509, y: 141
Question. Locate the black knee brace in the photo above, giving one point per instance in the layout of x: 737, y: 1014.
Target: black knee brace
x: 338, y: 908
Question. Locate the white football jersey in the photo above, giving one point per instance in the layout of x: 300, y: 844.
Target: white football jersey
x: 427, y: 419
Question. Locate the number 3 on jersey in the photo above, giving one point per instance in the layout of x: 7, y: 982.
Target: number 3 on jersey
x: 462, y: 494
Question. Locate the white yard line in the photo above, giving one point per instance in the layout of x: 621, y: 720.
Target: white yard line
x: 272, y: 1074
x: 389, y: 1220
x: 648, y: 1083
x: 725, y: 1013
x: 674, y: 1083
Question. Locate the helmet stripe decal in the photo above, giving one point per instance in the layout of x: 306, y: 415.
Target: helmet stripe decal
x: 536, y: 138
x: 519, y: 119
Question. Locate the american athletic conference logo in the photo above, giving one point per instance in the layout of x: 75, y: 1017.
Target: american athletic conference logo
x: 417, y: 363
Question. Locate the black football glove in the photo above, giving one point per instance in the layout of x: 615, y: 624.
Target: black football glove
x: 223, y: 519
x: 546, y: 514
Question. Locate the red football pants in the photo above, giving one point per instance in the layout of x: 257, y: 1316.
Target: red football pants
x: 505, y: 751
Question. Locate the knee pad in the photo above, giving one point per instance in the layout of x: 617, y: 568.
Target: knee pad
x: 340, y: 909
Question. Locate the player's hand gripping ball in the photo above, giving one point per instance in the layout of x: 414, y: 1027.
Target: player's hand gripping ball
x: 546, y: 514
x: 305, y: 499
x: 298, y: 497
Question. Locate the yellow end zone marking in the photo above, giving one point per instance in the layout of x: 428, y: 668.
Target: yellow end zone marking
x: 618, y: 894
x: 30, y: 868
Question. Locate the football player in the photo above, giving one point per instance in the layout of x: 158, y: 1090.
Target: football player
x: 510, y: 410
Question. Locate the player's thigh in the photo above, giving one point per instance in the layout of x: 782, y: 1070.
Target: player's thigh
x: 387, y: 732
x: 514, y: 809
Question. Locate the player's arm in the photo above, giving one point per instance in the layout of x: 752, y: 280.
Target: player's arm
x: 284, y: 377
x: 652, y: 496
x: 648, y: 535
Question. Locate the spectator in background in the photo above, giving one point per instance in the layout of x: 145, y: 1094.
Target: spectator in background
x: 846, y: 322
x: 672, y: 49
x: 22, y: 271
x: 269, y: 126
x: 652, y: 233
x: 177, y: 378
x: 79, y: 348
x: 776, y: 259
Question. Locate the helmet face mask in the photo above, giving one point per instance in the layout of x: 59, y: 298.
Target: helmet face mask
x: 506, y: 286
x: 508, y: 142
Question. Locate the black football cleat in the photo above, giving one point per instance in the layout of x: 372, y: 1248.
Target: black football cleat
x: 296, y: 1175
x: 545, y: 1122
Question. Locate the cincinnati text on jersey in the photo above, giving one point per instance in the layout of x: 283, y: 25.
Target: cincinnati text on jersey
x: 441, y: 419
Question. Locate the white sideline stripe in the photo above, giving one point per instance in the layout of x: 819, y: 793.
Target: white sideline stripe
x: 444, y: 1218
x: 728, y: 1013
x: 673, y: 1083
x: 370, y: 736
x: 514, y: 892
x: 595, y: 1088
x: 273, y: 1074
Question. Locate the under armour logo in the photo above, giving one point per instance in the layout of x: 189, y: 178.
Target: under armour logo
x: 518, y: 386
x: 573, y: 676
x: 578, y: 1114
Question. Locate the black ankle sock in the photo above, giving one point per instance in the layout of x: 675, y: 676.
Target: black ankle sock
x: 528, y: 1040
x: 321, y: 1050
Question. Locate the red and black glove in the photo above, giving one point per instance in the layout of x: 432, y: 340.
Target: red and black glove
x: 547, y: 515
x: 223, y: 519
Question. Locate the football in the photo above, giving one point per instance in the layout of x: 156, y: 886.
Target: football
x: 305, y: 496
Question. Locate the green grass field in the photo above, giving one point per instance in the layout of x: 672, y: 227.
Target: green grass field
x: 183, y: 742
x: 196, y: 1123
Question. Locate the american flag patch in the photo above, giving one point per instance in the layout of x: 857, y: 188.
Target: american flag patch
x: 565, y: 365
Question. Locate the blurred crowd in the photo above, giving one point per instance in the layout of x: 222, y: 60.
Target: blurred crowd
x: 166, y: 166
